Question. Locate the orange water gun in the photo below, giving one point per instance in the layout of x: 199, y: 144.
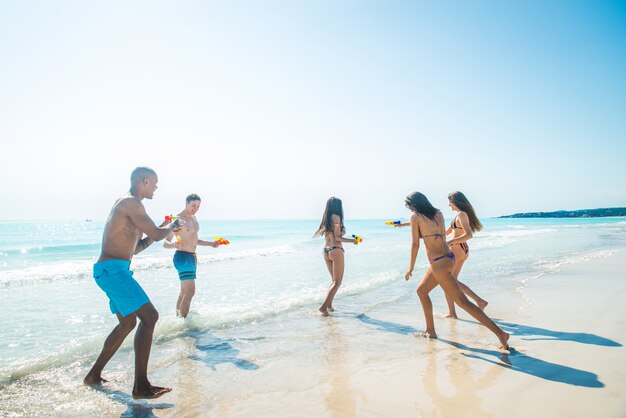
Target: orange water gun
x: 222, y: 241
x: 357, y: 239
x: 179, y: 241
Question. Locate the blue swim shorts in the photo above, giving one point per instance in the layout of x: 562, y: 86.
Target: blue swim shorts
x: 116, y: 280
x: 186, y: 264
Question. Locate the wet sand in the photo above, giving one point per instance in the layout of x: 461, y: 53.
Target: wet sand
x: 567, y: 328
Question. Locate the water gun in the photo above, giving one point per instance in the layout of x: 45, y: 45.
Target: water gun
x: 174, y: 220
x: 222, y: 241
x: 392, y: 223
x: 179, y: 241
x: 357, y: 238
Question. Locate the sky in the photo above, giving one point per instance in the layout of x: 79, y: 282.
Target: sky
x: 267, y: 108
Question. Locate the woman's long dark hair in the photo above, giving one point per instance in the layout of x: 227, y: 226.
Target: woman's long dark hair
x: 419, y: 204
x: 333, y: 207
x: 459, y: 200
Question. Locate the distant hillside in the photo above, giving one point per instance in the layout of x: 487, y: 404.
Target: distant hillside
x: 583, y: 213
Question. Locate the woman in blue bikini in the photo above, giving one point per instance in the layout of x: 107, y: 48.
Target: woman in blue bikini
x: 333, y: 230
x: 427, y: 223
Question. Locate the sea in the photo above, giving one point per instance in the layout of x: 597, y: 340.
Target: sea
x: 266, y: 284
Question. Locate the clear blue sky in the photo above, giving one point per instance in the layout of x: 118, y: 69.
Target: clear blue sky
x: 267, y: 108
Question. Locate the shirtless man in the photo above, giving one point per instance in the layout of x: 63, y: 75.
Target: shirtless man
x: 123, y: 232
x: 185, y: 259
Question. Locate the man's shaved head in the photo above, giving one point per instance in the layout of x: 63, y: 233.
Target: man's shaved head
x: 140, y: 173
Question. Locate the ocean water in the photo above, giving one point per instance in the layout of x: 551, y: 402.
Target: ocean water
x: 272, y: 277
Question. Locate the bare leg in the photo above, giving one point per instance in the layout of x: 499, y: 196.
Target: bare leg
x: 187, y: 290
x: 336, y: 256
x: 111, y: 345
x: 482, y: 303
x: 180, y: 299
x: 443, y: 274
x: 427, y: 284
x: 459, y: 258
x: 142, y: 389
x: 329, y: 266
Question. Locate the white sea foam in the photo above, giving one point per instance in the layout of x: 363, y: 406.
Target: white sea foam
x: 202, y: 317
x: 83, y: 269
x: 551, y: 265
x: 493, y: 242
x: 518, y: 233
x: 502, y: 238
x: 554, y: 264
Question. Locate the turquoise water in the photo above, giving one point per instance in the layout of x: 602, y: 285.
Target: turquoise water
x: 54, y: 315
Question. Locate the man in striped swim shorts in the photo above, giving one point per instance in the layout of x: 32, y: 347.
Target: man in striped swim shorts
x: 185, y: 260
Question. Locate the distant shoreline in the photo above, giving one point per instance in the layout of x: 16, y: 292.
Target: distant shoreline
x: 582, y: 213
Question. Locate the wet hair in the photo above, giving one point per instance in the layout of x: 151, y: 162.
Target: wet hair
x: 333, y: 207
x: 459, y: 200
x: 139, y: 174
x: 193, y: 197
x: 419, y: 204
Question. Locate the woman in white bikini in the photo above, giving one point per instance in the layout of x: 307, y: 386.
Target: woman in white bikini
x: 464, y: 224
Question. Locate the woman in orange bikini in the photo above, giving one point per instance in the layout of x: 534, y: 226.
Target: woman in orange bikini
x: 333, y: 230
x: 464, y: 224
x: 427, y: 223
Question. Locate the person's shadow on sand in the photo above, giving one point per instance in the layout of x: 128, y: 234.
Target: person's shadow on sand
x: 516, y: 361
x: 136, y: 408
x: 218, y: 351
x: 546, y: 334
x: 549, y: 335
x: 523, y: 363
x: 386, y: 326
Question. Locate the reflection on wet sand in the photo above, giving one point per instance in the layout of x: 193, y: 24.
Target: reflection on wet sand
x: 135, y: 408
x: 464, y: 401
x: 187, y: 383
x: 340, y: 401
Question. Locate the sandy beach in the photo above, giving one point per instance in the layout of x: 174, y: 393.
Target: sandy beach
x: 568, y: 362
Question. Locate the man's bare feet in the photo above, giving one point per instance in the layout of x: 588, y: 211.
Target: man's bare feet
x: 331, y: 309
x: 93, y: 380
x: 452, y: 316
x: 482, y: 305
x: 152, y: 392
x: 324, y: 311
